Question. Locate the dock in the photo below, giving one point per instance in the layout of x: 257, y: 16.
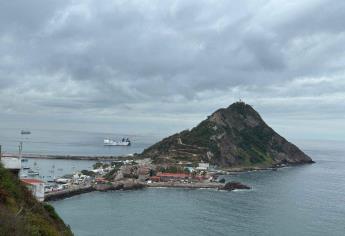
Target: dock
x: 68, y: 157
x: 58, y: 195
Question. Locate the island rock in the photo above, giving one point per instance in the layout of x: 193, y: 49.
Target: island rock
x: 232, y: 137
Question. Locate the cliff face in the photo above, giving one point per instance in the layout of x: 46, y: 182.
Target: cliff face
x: 21, y: 214
x: 231, y: 137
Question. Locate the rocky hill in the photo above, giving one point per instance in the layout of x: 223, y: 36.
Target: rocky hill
x: 231, y: 137
x: 23, y: 215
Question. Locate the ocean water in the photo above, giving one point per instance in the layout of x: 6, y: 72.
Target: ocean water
x: 68, y: 142
x: 49, y: 169
x: 302, y: 200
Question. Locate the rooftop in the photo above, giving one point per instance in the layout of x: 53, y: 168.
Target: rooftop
x: 11, y: 162
x: 32, y: 181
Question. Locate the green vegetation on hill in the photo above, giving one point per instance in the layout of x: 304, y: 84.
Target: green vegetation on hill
x: 231, y: 137
x: 21, y: 214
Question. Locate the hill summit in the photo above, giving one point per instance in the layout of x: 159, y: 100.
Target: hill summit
x: 235, y: 136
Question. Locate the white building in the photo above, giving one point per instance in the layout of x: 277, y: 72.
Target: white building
x: 13, y: 164
x: 36, y: 187
x: 203, y: 166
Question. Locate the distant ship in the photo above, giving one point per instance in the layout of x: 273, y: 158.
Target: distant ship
x: 25, y: 132
x: 123, y: 142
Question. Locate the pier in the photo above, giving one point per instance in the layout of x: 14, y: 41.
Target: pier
x: 58, y: 195
x: 67, y: 157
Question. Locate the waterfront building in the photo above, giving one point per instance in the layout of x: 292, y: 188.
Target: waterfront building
x: 36, y: 187
x: 203, y: 166
x: 13, y: 164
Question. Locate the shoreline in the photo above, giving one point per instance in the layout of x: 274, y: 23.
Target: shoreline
x: 135, y: 185
x: 226, y: 170
x: 237, y: 170
x: 69, y: 157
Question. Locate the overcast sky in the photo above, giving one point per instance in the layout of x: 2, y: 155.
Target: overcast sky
x: 162, y: 66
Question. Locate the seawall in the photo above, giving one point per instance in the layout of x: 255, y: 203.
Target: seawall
x: 53, y: 196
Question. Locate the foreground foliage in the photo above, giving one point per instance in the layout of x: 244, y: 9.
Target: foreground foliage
x: 22, y: 214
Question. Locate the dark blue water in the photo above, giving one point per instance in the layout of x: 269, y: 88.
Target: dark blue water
x: 303, y: 200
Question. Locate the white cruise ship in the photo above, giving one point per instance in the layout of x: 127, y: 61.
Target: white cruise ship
x: 111, y: 142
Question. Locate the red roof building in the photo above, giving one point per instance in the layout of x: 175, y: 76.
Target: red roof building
x: 36, y: 187
x: 101, y: 180
x: 32, y: 181
x: 155, y: 178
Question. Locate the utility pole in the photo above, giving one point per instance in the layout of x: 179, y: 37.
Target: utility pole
x: 0, y: 153
x: 20, y: 150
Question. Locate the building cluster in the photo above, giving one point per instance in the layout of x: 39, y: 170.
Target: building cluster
x: 102, y: 173
x: 190, y: 174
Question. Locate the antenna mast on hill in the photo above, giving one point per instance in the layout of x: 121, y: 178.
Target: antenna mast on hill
x: 240, y: 98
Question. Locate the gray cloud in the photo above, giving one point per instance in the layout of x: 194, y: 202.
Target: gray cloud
x: 171, y: 62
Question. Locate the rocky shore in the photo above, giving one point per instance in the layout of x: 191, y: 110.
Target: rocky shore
x: 230, y: 186
x: 135, y: 185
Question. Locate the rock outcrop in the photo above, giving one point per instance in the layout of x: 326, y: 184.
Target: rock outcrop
x: 231, y: 137
x: 230, y: 186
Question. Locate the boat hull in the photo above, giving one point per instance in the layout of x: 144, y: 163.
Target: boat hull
x: 117, y: 144
x: 110, y: 142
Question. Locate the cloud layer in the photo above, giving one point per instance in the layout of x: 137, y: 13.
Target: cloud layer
x: 170, y: 63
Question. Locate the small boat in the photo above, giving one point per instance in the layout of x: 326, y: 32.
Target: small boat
x: 25, y: 132
x: 33, y: 173
x: 111, y: 142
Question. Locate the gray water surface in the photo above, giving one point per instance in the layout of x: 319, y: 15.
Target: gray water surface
x: 303, y: 200
x: 69, y: 142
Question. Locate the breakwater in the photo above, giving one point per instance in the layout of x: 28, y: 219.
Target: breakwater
x: 126, y: 185
x: 69, y: 157
x: 53, y: 196
x: 77, y: 190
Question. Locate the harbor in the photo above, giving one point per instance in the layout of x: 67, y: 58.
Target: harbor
x: 52, y: 177
x: 128, y: 175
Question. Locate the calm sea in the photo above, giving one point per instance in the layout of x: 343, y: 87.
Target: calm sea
x: 303, y: 200
x: 68, y: 142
